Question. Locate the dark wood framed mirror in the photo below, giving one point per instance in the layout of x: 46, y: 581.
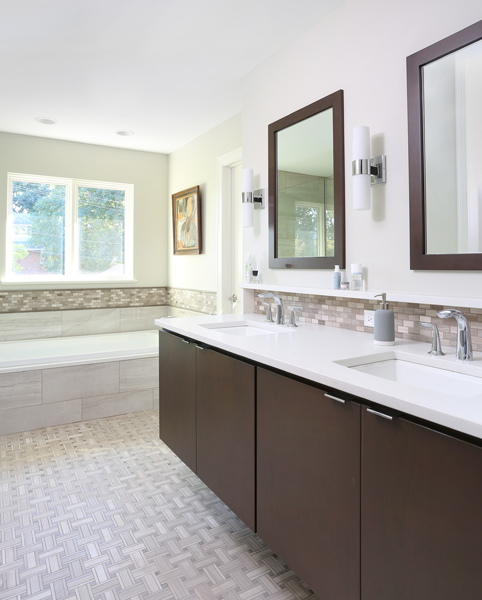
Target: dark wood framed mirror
x: 307, y: 187
x: 444, y: 86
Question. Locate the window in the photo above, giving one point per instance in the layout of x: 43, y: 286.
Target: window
x: 68, y: 230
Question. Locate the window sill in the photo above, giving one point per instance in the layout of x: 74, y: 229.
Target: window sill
x: 64, y: 283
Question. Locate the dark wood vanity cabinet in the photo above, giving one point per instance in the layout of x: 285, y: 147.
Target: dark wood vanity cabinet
x: 358, y: 505
x: 177, y: 396
x: 226, y: 430
x: 421, y: 527
x: 308, y: 483
x: 207, y: 417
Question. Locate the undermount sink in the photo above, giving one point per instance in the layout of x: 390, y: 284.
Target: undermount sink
x: 416, y: 374
x: 247, y: 328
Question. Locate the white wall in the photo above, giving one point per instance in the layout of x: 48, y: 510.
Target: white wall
x: 195, y: 164
x: 360, y: 48
x: 146, y: 170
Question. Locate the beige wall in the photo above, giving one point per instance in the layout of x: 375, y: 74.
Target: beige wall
x: 195, y: 164
x: 362, y: 49
x: 148, y: 172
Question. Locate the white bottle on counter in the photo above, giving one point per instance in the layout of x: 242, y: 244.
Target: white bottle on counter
x: 356, y: 277
x: 248, y: 268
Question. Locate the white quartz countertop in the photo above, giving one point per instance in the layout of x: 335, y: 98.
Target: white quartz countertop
x: 314, y: 351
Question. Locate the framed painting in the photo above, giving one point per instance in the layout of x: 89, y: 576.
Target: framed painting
x: 186, y: 221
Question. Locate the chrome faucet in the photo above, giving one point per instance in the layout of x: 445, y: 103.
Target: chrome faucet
x: 464, y: 341
x: 279, y: 305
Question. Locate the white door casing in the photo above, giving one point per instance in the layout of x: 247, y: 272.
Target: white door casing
x: 229, y: 231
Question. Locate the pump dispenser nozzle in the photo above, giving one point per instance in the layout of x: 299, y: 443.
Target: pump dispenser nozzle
x: 383, y: 303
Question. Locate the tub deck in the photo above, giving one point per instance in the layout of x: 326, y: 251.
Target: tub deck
x: 67, y: 351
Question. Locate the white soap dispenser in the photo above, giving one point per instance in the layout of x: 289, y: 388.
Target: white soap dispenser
x: 384, y: 324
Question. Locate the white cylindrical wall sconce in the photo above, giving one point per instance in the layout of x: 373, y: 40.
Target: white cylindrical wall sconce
x: 247, y: 181
x: 247, y: 214
x: 247, y: 208
x: 361, y: 171
x: 366, y: 171
x: 250, y: 198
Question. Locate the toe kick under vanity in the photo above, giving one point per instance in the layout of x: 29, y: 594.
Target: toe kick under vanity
x: 367, y: 487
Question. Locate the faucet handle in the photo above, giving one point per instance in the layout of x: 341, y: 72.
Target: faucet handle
x: 436, y: 349
x: 292, y: 322
x: 269, y: 316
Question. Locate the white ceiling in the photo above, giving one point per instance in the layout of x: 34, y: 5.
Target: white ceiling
x: 169, y: 70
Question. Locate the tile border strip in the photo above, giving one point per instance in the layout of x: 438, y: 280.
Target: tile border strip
x: 20, y: 301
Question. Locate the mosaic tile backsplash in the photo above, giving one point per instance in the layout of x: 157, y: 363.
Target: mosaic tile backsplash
x: 347, y: 313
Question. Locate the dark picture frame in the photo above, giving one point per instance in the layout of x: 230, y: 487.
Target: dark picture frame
x: 186, y: 221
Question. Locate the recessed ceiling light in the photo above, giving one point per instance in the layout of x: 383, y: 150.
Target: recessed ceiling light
x: 45, y: 120
x: 124, y: 132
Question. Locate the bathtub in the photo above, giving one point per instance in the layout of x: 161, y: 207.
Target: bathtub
x: 59, y: 352
x: 54, y: 381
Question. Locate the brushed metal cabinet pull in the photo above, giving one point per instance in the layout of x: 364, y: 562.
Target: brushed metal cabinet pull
x: 185, y: 341
x: 335, y: 398
x: 379, y: 414
x: 200, y: 347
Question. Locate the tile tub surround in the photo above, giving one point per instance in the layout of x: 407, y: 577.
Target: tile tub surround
x: 348, y: 314
x: 55, y: 396
x: 103, y: 509
x: 67, y: 323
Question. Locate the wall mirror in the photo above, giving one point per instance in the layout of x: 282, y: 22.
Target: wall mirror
x: 444, y: 84
x: 307, y: 187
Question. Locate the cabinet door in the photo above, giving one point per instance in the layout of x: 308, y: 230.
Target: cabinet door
x: 177, y: 396
x: 226, y: 430
x: 308, y: 492
x: 421, y: 513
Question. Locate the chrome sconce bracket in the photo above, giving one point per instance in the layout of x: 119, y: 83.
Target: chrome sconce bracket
x: 376, y: 167
x: 257, y: 198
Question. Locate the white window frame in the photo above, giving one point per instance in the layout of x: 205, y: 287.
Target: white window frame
x: 71, y: 232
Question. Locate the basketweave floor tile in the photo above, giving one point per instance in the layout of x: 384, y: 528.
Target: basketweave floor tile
x: 103, y: 510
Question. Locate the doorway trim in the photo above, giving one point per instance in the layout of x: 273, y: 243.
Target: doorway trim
x: 224, y: 164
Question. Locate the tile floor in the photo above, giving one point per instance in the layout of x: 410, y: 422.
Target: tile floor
x: 103, y: 510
